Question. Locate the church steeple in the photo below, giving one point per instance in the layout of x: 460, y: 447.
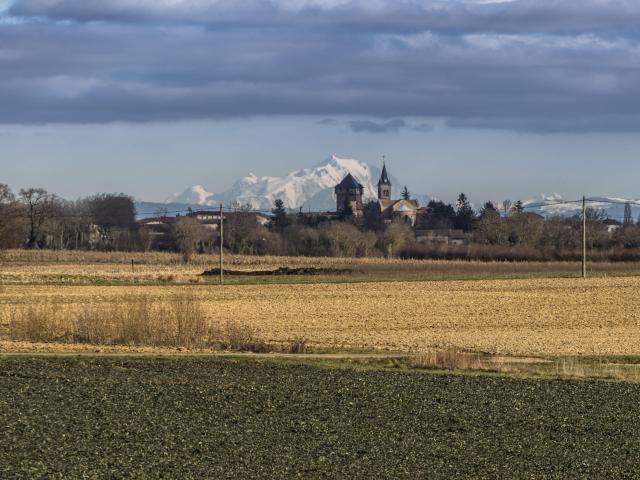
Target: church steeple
x: 384, y: 185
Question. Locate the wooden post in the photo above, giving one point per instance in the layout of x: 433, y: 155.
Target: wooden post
x: 221, y: 246
x: 132, y: 268
x: 584, y: 237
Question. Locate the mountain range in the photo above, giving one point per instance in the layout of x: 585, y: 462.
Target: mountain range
x: 312, y: 190
x: 308, y: 188
x: 555, y: 206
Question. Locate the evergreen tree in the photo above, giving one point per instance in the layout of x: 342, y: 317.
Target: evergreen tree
x: 464, y: 213
x: 518, y: 207
x: 373, y: 217
x: 439, y: 215
x: 628, y: 220
x: 406, y: 195
x: 489, y: 211
x: 280, y: 219
x: 490, y: 226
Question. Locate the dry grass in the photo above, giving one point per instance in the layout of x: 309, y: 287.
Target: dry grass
x: 450, y: 359
x: 177, y: 321
x: 453, y: 358
x: 597, y: 316
x: 576, y: 368
x: 133, y: 320
x: 240, y: 338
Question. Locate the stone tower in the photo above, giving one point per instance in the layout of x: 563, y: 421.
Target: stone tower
x: 349, y: 192
x: 384, y: 185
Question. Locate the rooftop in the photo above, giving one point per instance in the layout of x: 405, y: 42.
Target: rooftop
x: 349, y: 182
x: 384, y: 178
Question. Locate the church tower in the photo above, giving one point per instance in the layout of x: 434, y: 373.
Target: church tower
x: 384, y: 185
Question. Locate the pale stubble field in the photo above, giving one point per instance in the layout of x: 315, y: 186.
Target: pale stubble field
x: 562, y: 316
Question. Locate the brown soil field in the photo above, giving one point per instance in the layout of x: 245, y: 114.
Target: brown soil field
x: 596, y: 316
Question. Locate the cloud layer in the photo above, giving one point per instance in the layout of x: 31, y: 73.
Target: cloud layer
x: 526, y: 65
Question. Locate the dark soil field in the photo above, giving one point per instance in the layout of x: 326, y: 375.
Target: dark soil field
x: 98, y: 417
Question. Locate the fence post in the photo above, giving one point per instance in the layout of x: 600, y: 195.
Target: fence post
x: 221, y: 246
x: 584, y: 237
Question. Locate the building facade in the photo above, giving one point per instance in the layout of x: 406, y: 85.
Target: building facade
x: 404, y: 209
x: 384, y: 185
x: 349, y: 194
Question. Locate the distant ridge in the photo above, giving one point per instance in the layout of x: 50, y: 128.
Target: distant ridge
x: 312, y: 190
x: 309, y: 188
x: 553, y: 205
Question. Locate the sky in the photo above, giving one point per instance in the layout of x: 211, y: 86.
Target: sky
x: 499, y: 99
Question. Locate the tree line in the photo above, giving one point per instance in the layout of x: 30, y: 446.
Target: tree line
x: 35, y: 218
x: 507, y: 232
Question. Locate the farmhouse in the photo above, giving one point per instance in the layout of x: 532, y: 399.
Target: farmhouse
x: 612, y: 225
x: 211, y: 218
x: 446, y: 236
x: 158, y: 232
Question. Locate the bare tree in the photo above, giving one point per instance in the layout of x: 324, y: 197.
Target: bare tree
x: 628, y: 219
x: 39, y: 207
x: 6, y: 195
x: 161, y: 212
x: 506, y: 206
x: 243, y: 233
x: 11, y: 221
x: 396, y: 236
x: 114, y: 217
x: 346, y: 240
x: 187, y: 233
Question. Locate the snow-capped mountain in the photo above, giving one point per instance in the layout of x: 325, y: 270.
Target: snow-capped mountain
x: 554, y: 205
x: 196, y: 195
x: 309, y: 188
x: 312, y: 189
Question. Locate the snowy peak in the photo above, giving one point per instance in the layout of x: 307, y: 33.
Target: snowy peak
x: 355, y: 167
x: 554, y: 205
x: 250, y: 179
x: 308, y: 188
x: 197, y: 195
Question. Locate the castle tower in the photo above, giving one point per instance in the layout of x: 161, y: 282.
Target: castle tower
x: 349, y: 192
x: 384, y: 185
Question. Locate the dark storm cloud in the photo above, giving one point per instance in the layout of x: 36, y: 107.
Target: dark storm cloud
x: 605, y: 123
x: 390, y: 126
x: 377, y: 127
x: 539, y: 66
x: 451, y: 16
x: 327, y: 121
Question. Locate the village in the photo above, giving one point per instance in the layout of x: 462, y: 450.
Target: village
x: 351, y: 204
x: 391, y: 227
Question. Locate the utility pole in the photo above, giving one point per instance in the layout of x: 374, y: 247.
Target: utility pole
x: 221, y: 246
x: 584, y: 237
